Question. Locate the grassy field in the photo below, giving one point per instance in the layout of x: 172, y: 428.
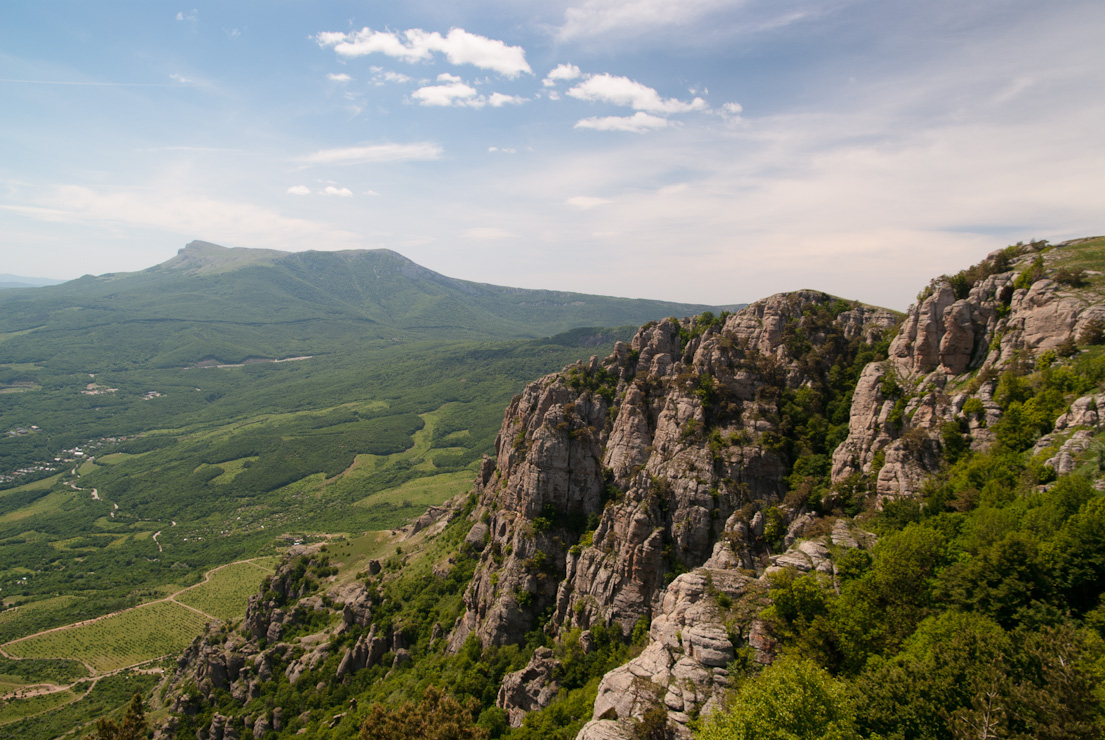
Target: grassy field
x: 119, y: 640
x: 44, y: 484
x: 51, y: 502
x: 422, y: 492
x: 226, y: 591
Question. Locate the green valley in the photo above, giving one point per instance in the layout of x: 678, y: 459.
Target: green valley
x: 229, y: 403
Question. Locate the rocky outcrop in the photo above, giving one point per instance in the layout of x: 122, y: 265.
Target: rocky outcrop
x: 683, y: 667
x: 533, y: 687
x: 900, y: 405
x: 613, y: 476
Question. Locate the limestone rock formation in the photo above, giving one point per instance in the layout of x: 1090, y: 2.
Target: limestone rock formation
x: 986, y: 321
x: 647, y: 454
x: 531, y: 688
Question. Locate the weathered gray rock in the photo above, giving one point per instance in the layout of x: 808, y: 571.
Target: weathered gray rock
x: 682, y: 667
x: 477, y: 536
x: 531, y: 688
x: 668, y: 491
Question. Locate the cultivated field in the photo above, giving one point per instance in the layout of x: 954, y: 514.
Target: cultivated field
x: 119, y: 640
x: 226, y: 590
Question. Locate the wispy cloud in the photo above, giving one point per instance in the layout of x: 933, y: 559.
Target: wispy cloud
x: 341, y: 77
x: 419, y: 152
x: 415, y: 45
x: 89, y: 83
x: 299, y: 190
x: 188, y: 216
x: 381, y: 76
x: 586, y: 202
x: 487, y: 233
x: 333, y: 190
x: 187, y: 15
x: 606, y: 19
x: 638, y: 123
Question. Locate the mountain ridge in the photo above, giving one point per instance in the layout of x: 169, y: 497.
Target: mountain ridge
x: 370, y: 295
x: 683, y: 493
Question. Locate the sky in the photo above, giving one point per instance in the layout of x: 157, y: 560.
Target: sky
x: 706, y: 151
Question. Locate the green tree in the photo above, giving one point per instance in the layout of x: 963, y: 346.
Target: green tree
x: 437, y: 717
x: 792, y: 699
x: 134, y: 726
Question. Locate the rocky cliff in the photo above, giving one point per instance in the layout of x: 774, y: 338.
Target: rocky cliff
x: 962, y: 332
x: 652, y: 494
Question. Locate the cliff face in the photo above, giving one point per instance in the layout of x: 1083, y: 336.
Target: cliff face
x: 1011, y: 311
x: 614, y: 477
x: 659, y: 445
x: 653, y: 491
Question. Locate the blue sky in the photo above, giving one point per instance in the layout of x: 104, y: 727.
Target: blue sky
x: 711, y: 151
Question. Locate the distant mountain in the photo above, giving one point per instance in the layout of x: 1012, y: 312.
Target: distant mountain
x: 231, y: 305
x: 19, y: 281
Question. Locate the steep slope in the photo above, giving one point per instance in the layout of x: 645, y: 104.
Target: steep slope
x: 660, y: 524
x: 662, y: 443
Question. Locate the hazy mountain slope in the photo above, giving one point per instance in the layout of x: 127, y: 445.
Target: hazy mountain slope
x: 233, y: 304
x: 20, y: 281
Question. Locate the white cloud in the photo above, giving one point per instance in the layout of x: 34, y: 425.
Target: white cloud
x: 487, y: 233
x: 181, y: 79
x: 624, y: 91
x: 638, y: 123
x: 600, y: 19
x: 498, y: 100
x: 336, y: 191
x: 183, y: 16
x: 586, y: 202
x: 299, y: 190
x: 370, y: 192
x: 232, y: 33
x: 422, y: 151
x: 452, y: 94
x: 446, y: 77
x: 338, y: 77
x: 553, y: 95
x: 504, y: 149
x: 415, y: 45
x: 561, y: 72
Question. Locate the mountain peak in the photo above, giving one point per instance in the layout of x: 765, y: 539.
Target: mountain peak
x: 205, y: 257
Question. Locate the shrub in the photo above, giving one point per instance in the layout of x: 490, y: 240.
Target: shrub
x: 791, y: 700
